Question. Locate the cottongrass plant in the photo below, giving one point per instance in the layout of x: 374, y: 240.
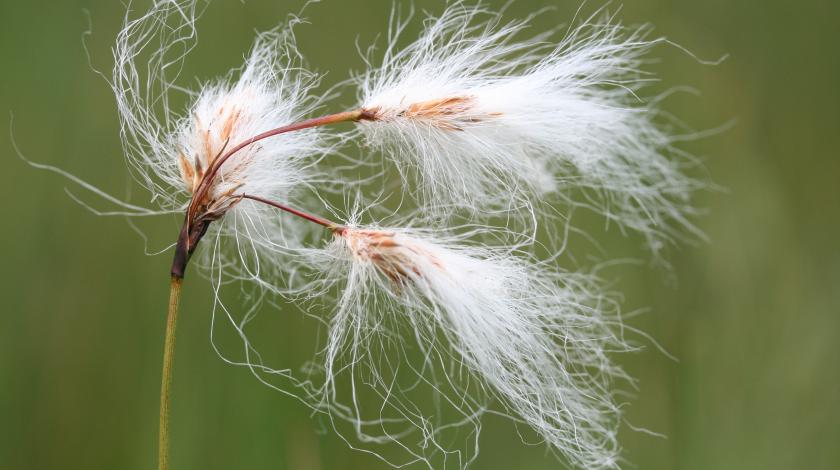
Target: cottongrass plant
x: 480, y: 122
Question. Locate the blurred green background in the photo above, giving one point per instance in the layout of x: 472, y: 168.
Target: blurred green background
x: 752, y: 315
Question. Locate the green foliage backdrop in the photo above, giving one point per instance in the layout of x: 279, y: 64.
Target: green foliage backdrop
x: 753, y: 315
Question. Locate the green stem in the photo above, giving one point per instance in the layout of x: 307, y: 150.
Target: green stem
x: 166, y: 380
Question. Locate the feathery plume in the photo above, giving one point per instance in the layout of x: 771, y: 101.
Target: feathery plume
x: 204, y: 160
x: 536, y: 338
x: 483, y: 117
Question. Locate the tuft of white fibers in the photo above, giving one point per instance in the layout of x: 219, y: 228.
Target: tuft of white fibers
x: 484, y: 117
x: 488, y: 323
x: 170, y: 152
x: 268, y: 93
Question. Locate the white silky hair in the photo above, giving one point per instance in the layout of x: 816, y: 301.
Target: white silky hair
x: 542, y: 117
x: 533, y: 338
x: 268, y: 92
x: 161, y: 37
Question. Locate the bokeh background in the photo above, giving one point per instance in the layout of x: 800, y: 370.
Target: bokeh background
x: 753, y: 315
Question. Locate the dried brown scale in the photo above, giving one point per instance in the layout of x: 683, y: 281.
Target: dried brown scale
x: 208, y: 148
x: 448, y: 113
x: 230, y: 124
x: 193, y: 173
x: 188, y: 172
x: 387, y: 254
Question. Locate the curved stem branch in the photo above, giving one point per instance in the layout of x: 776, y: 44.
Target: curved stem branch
x: 312, y: 218
x: 166, y: 379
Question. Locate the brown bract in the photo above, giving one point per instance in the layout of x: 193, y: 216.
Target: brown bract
x: 448, y: 113
x: 395, y: 258
x: 208, y: 203
x: 211, y: 141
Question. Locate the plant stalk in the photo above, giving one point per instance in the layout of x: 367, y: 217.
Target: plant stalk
x: 166, y: 379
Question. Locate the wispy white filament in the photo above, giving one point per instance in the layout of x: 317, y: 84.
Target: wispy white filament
x: 484, y: 117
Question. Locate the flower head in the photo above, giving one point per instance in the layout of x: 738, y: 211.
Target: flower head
x: 268, y: 92
x: 207, y: 159
x: 484, y: 118
x: 531, y: 337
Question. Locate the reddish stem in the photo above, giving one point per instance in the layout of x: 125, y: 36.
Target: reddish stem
x: 312, y: 218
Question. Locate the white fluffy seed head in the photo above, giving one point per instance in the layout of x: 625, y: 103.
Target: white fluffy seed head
x: 534, y: 337
x: 268, y: 93
x: 485, y: 117
x: 171, y: 151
